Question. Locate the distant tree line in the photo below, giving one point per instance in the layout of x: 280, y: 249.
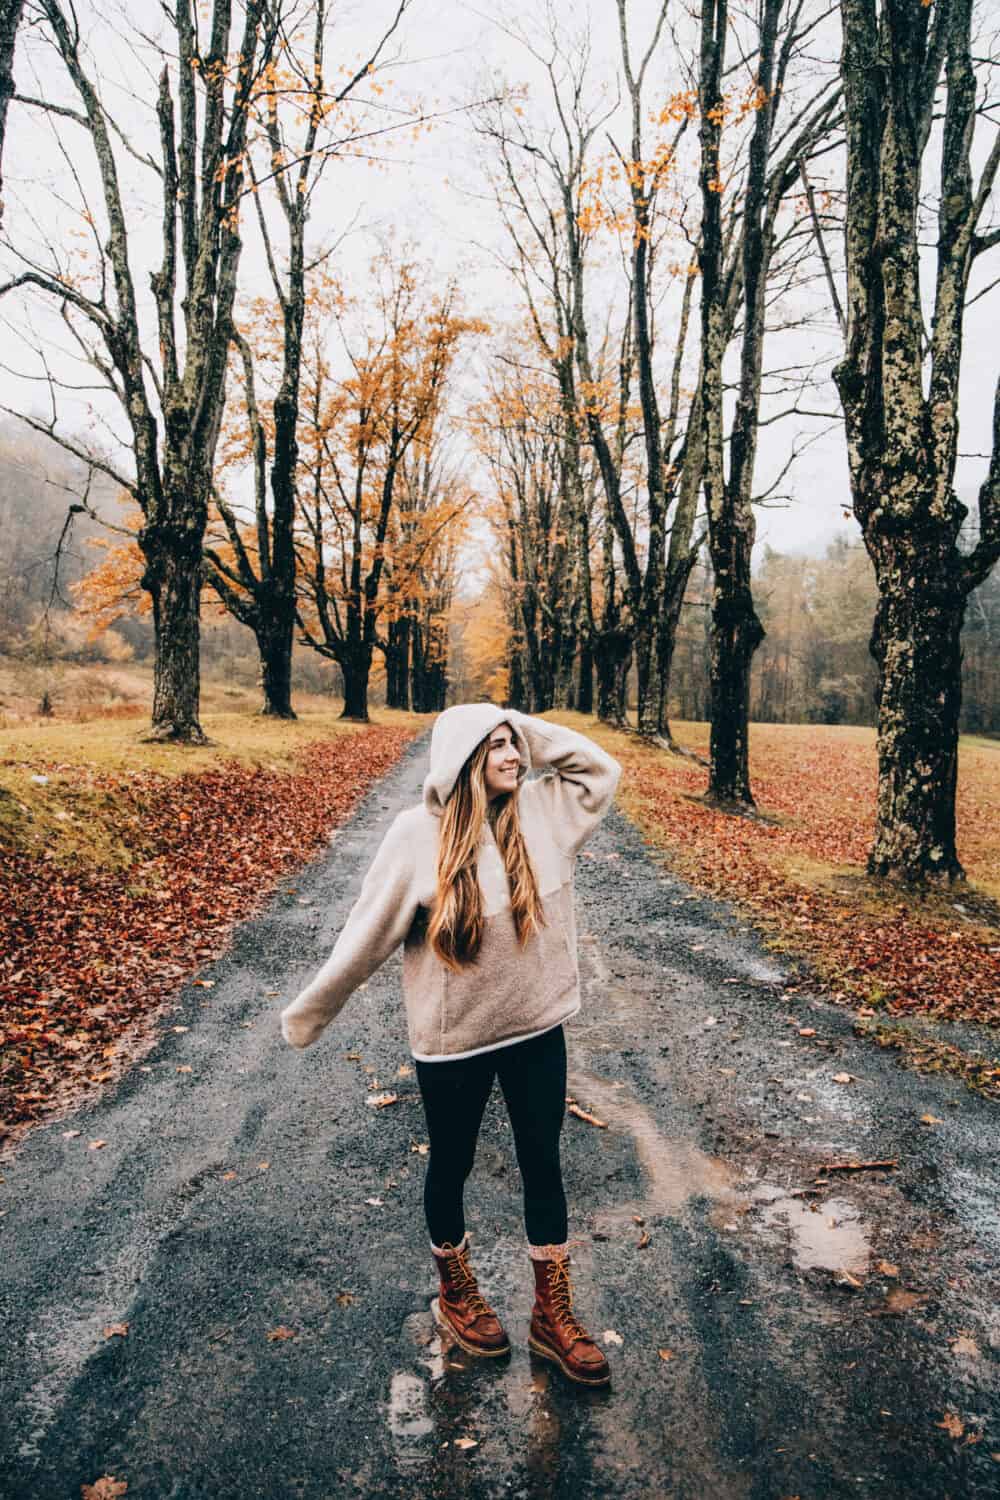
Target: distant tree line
x: 814, y: 665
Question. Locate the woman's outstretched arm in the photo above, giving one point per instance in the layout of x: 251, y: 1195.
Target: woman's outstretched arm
x: 581, y: 783
x: 377, y: 924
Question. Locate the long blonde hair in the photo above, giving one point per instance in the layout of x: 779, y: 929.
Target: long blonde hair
x: 455, y: 929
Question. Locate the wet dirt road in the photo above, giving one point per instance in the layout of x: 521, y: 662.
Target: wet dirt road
x: 837, y: 1342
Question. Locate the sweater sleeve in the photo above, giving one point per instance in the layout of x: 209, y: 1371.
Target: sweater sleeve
x: 376, y: 925
x: 581, y: 785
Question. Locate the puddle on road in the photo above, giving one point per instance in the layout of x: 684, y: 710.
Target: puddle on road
x: 821, y: 1235
x: 826, y: 1236
x: 409, y: 1419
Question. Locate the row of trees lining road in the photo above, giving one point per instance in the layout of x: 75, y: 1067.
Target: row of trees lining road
x: 763, y: 238
x: 673, y: 253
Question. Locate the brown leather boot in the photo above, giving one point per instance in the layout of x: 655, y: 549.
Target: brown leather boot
x: 555, y: 1333
x: 464, y: 1312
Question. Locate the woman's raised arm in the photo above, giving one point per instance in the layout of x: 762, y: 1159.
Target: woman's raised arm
x: 582, y: 783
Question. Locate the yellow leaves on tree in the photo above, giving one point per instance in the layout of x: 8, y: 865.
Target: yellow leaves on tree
x: 113, y: 588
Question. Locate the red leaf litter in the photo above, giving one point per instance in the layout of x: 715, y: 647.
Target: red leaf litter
x: 88, y: 954
x: 800, y: 870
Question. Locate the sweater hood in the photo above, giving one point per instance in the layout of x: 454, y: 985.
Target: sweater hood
x: 456, y: 733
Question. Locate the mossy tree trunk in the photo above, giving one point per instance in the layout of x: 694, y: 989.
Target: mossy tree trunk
x: 902, y: 66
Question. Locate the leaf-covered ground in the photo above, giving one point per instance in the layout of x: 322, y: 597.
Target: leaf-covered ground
x: 800, y: 868
x: 115, y: 885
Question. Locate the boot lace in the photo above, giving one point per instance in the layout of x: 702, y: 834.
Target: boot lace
x: 561, y: 1300
x: 463, y: 1280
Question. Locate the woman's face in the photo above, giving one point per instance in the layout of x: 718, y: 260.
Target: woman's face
x: 502, y: 762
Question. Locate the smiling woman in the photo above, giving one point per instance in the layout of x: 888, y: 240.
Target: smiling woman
x: 502, y: 763
x: 477, y: 884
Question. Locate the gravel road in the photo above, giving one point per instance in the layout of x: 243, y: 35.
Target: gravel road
x: 255, y: 1226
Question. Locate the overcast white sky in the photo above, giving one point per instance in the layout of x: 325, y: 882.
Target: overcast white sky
x: 430, y: 193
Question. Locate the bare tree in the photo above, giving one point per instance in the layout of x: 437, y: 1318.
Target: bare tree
x: 174, y: 404
x: 737, y: 251
x: 904, y: 67
x: 551, y: 217
x: 262, y: 596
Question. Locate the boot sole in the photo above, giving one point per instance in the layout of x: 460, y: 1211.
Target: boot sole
x: 452, y: 1332
x: 550, y: 1354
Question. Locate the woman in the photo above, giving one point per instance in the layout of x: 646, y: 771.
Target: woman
x: 477, y: 883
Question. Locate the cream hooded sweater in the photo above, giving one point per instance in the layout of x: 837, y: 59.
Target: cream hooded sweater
x: 509, y: 993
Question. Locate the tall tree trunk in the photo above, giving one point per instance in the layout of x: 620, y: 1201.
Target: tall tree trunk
x: 736, y: 630
x: 585, y: 678
x: 735, y: 634
x: 356, y: 667
x: 173, y: 578
x: 901, y: 418
x: 397, y: 664
x: 516, y: 688
x: 10, y: 20
x: 623, y: 665
x: 275, y: 649
x: 277, y: 601
x: 670, y: 614
x: 201, y: 168
x: 916, y: 643
x: 644, y: 647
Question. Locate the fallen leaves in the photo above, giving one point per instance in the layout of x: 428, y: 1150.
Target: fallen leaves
x: 666, y: 1355
x: 86, y: 951
x: 96, y: 1145
x: 279, y: 1334
x: 843, y: 1077
x: 952, y: 1424
x: 105, y: 1488
x: 116, y: 1331
x: 382, y: 1101
x: 820, y: 785
x: 466, y: 1442
x: 930, y: 1120
x: 900, y: 1300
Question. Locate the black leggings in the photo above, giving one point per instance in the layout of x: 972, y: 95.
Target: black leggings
x: 533, y: 1079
